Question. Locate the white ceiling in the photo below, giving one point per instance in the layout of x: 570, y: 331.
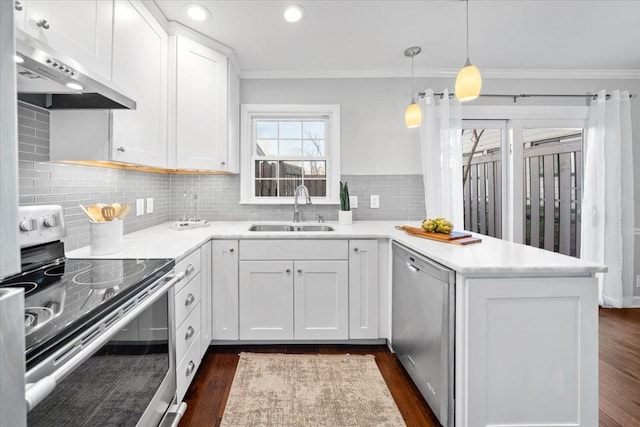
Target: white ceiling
x: 345, y: 38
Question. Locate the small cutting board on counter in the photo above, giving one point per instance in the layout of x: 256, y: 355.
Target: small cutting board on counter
x: 455, y: 237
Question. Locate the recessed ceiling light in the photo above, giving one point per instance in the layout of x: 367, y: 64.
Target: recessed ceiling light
x: 197, y: 12
x: 293, y: 13
x: 18, y: 59
x: 74, y: 86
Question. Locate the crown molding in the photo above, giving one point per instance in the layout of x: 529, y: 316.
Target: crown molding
x: 443, y: 73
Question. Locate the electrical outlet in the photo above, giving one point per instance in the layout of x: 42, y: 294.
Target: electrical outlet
x: 353, y: 202
x: 375, y: 201
x: 149, y: 204
x: 139, y: 207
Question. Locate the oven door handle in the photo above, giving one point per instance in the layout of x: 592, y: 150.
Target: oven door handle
x: 38, y: 391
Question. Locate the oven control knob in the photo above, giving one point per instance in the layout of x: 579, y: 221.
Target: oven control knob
x: 28, y: 224
x: 50, y: 221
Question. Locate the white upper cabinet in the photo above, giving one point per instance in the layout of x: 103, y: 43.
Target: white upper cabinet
x: 80, y: 30
x: 140, y: 71
x: 200, y: 135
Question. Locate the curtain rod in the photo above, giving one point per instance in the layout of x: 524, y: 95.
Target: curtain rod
x: 526, y: 95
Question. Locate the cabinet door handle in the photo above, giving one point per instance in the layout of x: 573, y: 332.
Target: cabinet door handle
x: 299, y: 271
x: 43, y: 24
x: 189, y: 333
x: 355, y: 249
x: 190, y: 367
x: 189, y: 300
x: 120, y: 149
x: 223, y: 163
x: 18, y: 6
x: 288, y: 270
x: 231, y: 250
x: 190, y: 269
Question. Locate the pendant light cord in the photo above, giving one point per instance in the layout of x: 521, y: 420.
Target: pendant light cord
x: 467, y: 5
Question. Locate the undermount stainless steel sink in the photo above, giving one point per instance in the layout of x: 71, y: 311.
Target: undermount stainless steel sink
x: 288, y: 227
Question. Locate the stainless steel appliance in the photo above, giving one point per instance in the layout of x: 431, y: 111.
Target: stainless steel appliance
x: 98, y: 334
x: 50, y: 80
x: 423, y: 319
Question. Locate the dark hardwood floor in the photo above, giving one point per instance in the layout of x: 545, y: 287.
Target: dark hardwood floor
x: 619, y: 375
x: 619, y: 367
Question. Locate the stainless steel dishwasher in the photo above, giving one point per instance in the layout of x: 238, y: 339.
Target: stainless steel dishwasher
x: 423, y: 316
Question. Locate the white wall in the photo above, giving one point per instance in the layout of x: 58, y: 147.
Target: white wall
x: 374, y: 138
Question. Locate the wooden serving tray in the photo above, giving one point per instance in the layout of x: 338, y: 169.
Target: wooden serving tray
x: 455, y: 237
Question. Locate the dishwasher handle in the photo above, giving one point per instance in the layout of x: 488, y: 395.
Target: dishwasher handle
x: 412, y: 267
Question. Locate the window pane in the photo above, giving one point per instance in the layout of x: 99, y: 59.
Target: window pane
x: 313, y: 148
x: 290, y: 130
x: 313, y: 130
x: 314, y: 169
x: 266, y: 129
x: 317, y: 188
x: 266, y: 188
x: 267, y: 147
x: 288, y: 186
x: 266, y: 169
x: 290, y: 148
x: 290, y: 169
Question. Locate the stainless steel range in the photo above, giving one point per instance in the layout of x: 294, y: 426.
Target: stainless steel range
x: 99, y: 341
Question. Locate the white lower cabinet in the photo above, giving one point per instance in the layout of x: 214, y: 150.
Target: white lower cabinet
x: 304, y: 298
x: 363, y: 289
x: 189, y: 307
x: 224, y: 290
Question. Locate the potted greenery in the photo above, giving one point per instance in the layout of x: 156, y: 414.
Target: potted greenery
x: 344, y: 214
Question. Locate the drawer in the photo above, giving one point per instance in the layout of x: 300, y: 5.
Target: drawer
x: 293, y: 249
x: 191, y: 267
x: 187, y: 298
x: 186, y: 370
x: 186, y: 333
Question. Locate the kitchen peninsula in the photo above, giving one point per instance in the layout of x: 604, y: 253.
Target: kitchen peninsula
x: 526, y: 320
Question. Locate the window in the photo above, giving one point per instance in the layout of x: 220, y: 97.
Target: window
x: 284, y: 146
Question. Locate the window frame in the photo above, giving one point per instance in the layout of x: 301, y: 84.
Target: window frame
x: 248, y: 115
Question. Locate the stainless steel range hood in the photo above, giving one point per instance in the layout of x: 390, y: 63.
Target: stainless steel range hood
x: 50, y: 80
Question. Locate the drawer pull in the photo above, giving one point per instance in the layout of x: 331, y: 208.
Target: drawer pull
x: 288, y: 270
x: 189, y: 300
x: 189, y: 333
x: 44, y: 24
x: 190, y: 269
x: 190, y: 368
x: 355, y: 249
x: 231, y: 250
x: 299, y: 271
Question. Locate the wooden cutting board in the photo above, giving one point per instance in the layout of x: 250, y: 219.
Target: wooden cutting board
x: 455, y: 237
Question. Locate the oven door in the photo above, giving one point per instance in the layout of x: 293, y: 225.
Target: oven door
x: 128, y: 379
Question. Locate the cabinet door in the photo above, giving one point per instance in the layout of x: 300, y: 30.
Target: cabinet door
x: 81, y: 30
x: 321, y: 300
x: 205, y: 301
x: 225, y: 290
x: 266, y: 300
x: 201, y: 107
x: 140, y: 71
x: 363, y: 289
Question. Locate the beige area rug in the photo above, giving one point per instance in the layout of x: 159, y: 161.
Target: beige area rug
x: 309, y: 390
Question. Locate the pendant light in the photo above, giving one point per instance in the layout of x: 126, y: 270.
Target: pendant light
x: 468, y: 81
x: 413, y: 114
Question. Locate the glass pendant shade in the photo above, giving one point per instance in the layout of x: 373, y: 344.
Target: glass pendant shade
x: 468, y: 82
x: 413, y: 115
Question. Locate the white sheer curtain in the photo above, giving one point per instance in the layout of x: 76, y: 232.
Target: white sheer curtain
x: 441, y: 151
x: 607, y: 207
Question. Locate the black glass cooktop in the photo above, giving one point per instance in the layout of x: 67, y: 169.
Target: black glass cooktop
x: 63, y: 297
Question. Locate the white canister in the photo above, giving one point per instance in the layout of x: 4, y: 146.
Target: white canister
x: 105, y: 237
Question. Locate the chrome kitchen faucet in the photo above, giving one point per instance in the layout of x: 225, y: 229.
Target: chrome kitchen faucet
x: 296, y: 212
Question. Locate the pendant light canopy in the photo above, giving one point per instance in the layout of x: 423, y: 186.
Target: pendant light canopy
x: 468, y: 81
x: 413, y: 113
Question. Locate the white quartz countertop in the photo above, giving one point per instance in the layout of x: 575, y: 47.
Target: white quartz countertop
x: 491, y: 256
